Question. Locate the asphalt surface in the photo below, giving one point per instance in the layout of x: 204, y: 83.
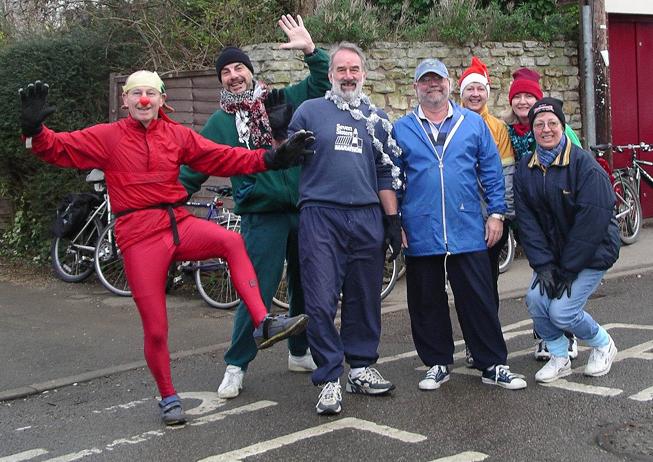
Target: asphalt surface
x: 75, y: 386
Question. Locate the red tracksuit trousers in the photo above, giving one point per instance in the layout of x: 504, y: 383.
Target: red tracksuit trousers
x: 146, y: 267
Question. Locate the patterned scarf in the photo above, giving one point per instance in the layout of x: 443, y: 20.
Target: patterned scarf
x: 547, y: 156
x: 522, y: 141
x: 251, y: 119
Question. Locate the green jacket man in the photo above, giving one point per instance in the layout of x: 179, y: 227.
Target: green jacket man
x: 267, y: 202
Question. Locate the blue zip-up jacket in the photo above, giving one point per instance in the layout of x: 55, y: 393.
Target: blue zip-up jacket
x: 566, y: 213
x: 441, y: 207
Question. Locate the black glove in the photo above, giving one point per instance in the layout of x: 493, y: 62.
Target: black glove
x: 547, y: 283
x: 392, y: 229
x: 291, y: 152
x: 34, y: 107
x: 279, y: 114
x: 565, y: 280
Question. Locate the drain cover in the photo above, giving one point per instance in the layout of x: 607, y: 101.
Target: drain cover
x: 633, y: 439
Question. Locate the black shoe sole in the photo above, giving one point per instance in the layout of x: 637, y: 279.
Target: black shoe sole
x: 296, y: 328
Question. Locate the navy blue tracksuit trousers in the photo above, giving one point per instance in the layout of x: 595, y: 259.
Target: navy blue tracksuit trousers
x: 470, y: 276
x: 341, y: 249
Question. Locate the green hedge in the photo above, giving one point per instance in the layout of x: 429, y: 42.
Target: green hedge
x: 76, y: 65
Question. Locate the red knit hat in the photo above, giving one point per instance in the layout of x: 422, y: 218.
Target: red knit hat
x: 525, y: 81
x: 476, y: 72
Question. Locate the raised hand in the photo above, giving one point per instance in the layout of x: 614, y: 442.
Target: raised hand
x: 290, y: 153
x: 34, y: 107
x: 279, y: 114
x: 298, y: 36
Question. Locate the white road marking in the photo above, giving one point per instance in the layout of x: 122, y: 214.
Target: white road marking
x: 644, y: 395
x: 75, y: 455
x: 23, y: 428
x: 25, y: 455
x: 236, y: 411
x: 209, y: 402
x: 117, y: 407
x: 347, y: 422
x: 581, y: 387
x: 467, y: 456
x: 143, y: 437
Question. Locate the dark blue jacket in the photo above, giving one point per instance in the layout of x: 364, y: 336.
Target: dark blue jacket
x: 566, y: 213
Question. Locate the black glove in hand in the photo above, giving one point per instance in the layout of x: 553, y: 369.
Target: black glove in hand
x: 279, y: 114
x: 565, y: 280
x: 34, y: 107
x: 547, y: 283
x: 392, y: 229
x: 291, y: 152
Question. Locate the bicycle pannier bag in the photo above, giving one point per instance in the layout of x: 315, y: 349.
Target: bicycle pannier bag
x: 72, y: 212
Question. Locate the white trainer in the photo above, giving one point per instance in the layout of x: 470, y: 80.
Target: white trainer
x: 232, y: 382
x: 601, y: 359
x: 303, y: 363
x: 555, y: 369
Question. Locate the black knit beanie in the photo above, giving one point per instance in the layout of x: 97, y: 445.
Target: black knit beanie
x: 547, y: 104
x: 232, y: 55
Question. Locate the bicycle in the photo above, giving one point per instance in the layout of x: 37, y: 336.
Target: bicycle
x: 627, y: 187
x: 212, y: 277
x: 73, y: 257
x: 390, y: 276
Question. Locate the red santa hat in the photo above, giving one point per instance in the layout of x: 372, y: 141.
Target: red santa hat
x: 525, y: 81
x: 475, y: 73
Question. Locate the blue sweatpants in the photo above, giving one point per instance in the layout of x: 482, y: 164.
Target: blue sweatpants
x: 471, y: 282
x: 341, y: 249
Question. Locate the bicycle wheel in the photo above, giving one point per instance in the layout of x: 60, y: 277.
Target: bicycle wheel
x: 507, y: 254
x: 109, y: 265
x: 628, y: 211
x: 389, y: 275
x: 213, y: 279
x: 282, y: 298
x: 72, y: 258
x: 401, y: 265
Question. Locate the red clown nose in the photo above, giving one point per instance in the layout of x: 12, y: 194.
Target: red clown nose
x: 144, y: 101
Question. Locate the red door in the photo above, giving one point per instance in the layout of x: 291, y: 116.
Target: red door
x: 631, y: 72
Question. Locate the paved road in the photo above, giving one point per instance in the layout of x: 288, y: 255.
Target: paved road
x: 57, y: 334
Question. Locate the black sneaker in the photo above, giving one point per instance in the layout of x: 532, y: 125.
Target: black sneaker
x: 541, y: 351
x: 171, y: 411
x: 434, y: 377
x: 275, y: 328
x: 330, y: 399
x: 500, y: 375
x: 370, y: 382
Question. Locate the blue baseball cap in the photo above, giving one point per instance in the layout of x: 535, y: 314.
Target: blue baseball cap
x: 431, y: 65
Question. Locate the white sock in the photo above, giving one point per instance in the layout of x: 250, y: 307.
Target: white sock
x: 356, y: 371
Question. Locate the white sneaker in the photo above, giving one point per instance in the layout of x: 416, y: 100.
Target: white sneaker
x: 601, y: 359
x: 330, y: 399
x: 303, y: 363
x: 556, y: 368
x: 232, y: 382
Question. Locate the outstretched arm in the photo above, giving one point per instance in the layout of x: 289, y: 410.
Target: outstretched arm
x: 298, y: 36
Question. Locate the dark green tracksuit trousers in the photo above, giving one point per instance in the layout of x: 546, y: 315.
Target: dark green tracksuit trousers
x: 270, y: 238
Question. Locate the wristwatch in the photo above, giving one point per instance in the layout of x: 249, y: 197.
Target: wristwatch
x: 498, y: 216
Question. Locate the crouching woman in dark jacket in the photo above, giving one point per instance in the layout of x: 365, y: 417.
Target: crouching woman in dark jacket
x: 565, y: 210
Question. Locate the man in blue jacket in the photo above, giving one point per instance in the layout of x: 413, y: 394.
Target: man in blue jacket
x: 447, y: 151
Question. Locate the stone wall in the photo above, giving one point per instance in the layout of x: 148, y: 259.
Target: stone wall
x: 390, y: 70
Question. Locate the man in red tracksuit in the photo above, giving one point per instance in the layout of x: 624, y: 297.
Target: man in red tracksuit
x: 140, y: 157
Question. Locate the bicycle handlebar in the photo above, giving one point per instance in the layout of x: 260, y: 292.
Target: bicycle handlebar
x: 642, y: 146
